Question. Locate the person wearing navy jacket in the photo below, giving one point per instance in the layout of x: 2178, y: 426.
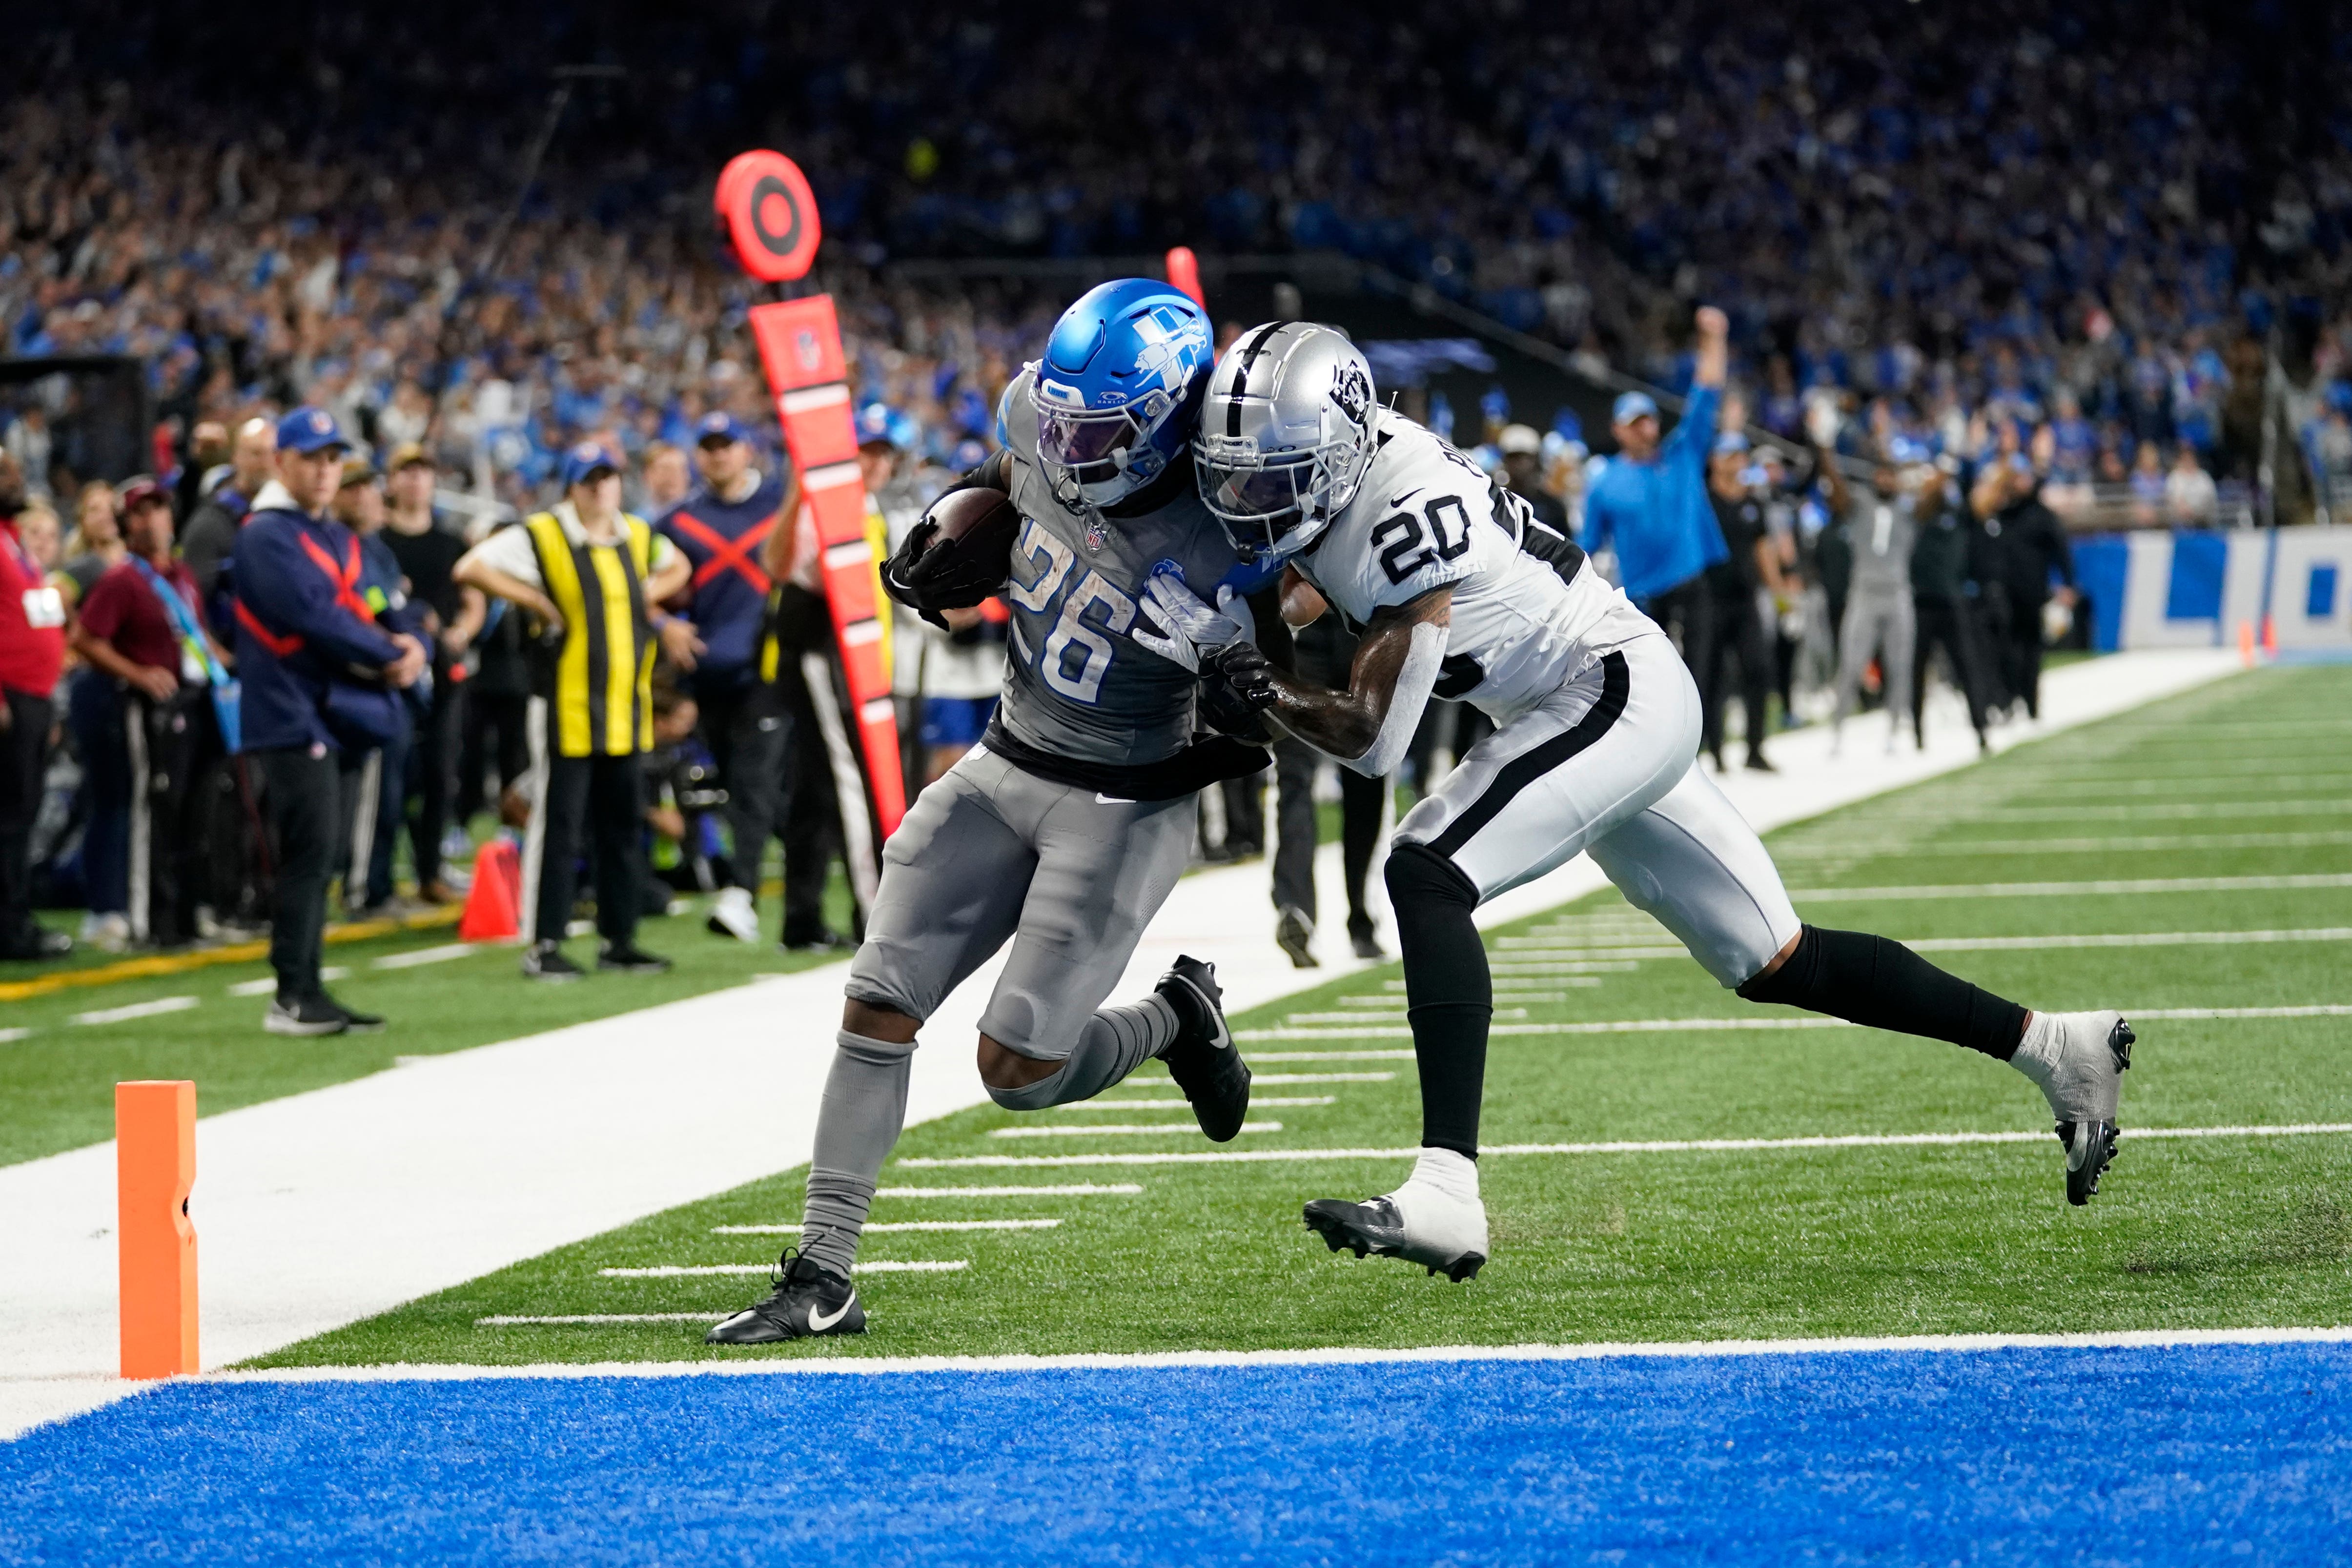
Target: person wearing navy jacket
x: 722, y: 526
x: 322, y: 680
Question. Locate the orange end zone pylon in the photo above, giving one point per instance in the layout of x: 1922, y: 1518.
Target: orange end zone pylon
x: 155, y: 1165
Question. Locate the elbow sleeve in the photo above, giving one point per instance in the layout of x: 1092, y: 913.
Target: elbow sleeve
x: 1416, y: 680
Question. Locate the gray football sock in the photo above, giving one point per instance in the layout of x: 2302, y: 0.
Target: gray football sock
x: 864, y: 1107
x: 1115, y: 1042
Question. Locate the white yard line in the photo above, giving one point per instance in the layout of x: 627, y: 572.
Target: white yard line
x: 1203, y: 1360
x: 1071, y: 1189
x: 690, y: 1270
x: 1259, y: 1078
x: 1744, y: 1021
x: 268, y: 985
x: 896, y: 1224
x: 423, y: 955
x: 477, y: 1159
x: 1636, y: 1146
x: 155, y: 1008
x: 1955, y: 848
x: 2127, y: 887
x: 10, y: 1036
x: 502, y: 1323
x: 1122, y: 1130
x: 1255, y: 1100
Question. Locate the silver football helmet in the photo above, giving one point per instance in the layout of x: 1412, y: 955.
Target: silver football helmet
x: 1286, y: 435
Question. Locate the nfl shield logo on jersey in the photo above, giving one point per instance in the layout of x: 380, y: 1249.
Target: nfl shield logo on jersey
x: 1098, y: 533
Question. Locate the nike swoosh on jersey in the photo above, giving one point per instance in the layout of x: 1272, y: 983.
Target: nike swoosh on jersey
x: 1409, y: 494
x: 1103, y: 799
x: 819, y: 1323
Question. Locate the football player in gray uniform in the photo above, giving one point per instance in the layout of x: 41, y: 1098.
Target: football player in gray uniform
x: 1458, y: 592
x: 1063, y: 830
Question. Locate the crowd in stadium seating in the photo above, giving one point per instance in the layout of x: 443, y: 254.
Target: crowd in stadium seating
x: 2065, y: 234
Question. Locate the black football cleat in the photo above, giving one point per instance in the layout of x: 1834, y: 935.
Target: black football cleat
x: 1202, y: 1059
x: 546, y: 964
x: 1443, y: 1234
x: 305, y: 1018
x: 2092, y: 1051
x: 631, y: 960
x: 1295, y: 935
x: 807, y: 1302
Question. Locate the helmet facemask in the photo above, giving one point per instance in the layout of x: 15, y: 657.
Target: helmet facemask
x: 1097, y: 458
x: 1273, y: 507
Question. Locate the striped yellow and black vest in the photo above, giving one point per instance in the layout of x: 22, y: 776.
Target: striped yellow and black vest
x: 598, y: 681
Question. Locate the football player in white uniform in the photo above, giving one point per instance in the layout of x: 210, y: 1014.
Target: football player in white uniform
x: 1458, y: 592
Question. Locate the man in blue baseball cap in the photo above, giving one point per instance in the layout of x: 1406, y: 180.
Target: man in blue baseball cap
x: 321, y: 667
x: 1651, y: 502
x: 720, y: 527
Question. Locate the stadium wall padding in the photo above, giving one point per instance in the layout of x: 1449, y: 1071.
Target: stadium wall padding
x: 2192, y: 588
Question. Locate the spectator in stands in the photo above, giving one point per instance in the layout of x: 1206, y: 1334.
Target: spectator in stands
x: 2189, y: 495
x: 2148, y: 485
x: 211, y: 530
x: 31, y: 654
x: 667, y: 478
x: 2020, y: 550
x: 719, y: 530
x: 95, y: 547
x: 141, y: 628
x: 208, y: 449
x: 1651, y: 503
x: 302, y: 632
x: 589, y: 575
x: 426, y: 550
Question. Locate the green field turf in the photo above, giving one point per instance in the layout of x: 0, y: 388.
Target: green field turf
x: 57, y: 1082
x: 1686, y: 1244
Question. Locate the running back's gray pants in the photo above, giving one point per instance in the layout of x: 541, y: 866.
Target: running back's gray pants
x: 990, y: 854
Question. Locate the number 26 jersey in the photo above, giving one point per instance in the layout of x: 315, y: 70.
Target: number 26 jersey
x: 1529, y: 611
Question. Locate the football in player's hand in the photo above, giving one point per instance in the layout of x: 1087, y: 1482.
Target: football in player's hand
x: 959, y: 553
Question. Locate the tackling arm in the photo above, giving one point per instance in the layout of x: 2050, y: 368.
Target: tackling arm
x: 1369, y: 725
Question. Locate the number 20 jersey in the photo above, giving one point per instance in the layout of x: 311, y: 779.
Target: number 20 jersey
x: 1529, y: 611
x: 1074, y: 685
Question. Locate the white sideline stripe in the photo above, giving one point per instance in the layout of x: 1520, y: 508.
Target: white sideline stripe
x: 268, y: 985
x: 887, y: 1366
x: 1121, y: 1130
x: 160, y: 1005
x: 423, y: 955
x: 2074, y: 889
x: 1071, y: 1189
x: 1762, y: 1020
x: 1649, y: 1147
x: 1955, y: 848
x: 681, y: 1270
x: 896, y: 1224
x: 1187, y: 1105
x: 1395, y: 1002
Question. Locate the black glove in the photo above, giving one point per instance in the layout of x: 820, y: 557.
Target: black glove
x: 1236, y: 687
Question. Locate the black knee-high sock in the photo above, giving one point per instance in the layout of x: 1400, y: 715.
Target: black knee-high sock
x: 1871, y: 980
x: 1449, y: 996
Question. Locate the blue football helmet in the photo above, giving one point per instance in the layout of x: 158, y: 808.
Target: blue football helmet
x: 1118, y: 390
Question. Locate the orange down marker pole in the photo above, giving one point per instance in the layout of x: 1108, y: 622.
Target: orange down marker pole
x: 155, y: 1165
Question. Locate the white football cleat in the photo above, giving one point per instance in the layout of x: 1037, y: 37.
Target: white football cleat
x: 732, y: 915
x: 2079, y: 1060
x: 1442, y: 1228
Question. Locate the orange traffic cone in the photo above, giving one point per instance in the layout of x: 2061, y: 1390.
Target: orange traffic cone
x: 492, y: 907
x: 2246, y: 643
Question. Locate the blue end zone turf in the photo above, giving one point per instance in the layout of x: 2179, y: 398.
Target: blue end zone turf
x: 2236, y: 1453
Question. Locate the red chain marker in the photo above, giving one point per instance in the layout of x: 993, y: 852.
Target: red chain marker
x: 772, y: 220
